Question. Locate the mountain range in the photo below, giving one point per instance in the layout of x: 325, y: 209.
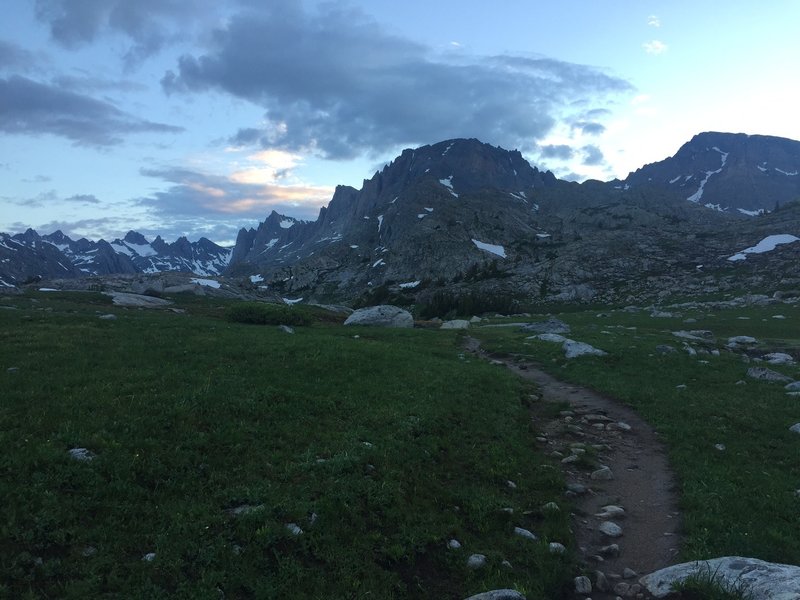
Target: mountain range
x: 461, y: 216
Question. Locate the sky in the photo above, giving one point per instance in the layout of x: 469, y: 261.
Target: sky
x: 199, y: 117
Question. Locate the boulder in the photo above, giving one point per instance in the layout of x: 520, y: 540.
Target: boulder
x: 384, y: 315
x: 573, y: 349
x: 455, y: 324
x: 137, y: 300
x: 793, y: 387
x: 760, y: 579
x: 551, y: 325
x: 548, y: 337
x: 779, y: 358
x: 765, y: 374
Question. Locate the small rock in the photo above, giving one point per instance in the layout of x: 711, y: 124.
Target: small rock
x: 665, y: 349
x: 682, y: 386
x: 498, y: 594
x: 600, y: 581
x: 476, y: 561
x: 610, y: 529
x: 611, y: 511
x: 525, y: 533
x: 108, y: 317
x: 89, y: 551
x: 779, y: 358
x: 602, y: 474
x: 511, y: 485
x: 576, y: 488
x: 573, y: 349
x: 149, y: 557
x: 622, y: 588
x: 628, y: 573
x: 583, y: 585
x: 294, y: 529
x: 454, y: 544
x: 243, y: 509
x: 550, y: 507
x: 795, y: 428
x: 720, y: 447
x: 81, y: 454
x: 507, y: 565
x: 556, y: 548
x: 610, y: 550
x: 742, y: 340
x: 570, y: 459
x: 620, y: 425
x: 455, y: 324
x: 285, y: 328
x: 12, y: 370
x: 793, y: 387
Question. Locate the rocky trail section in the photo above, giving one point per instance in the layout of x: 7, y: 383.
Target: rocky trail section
x: 625, y: 522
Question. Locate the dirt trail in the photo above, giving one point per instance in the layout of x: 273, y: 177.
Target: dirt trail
x: 643, y: 484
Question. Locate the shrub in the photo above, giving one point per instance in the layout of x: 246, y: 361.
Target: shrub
x: 261, y: 313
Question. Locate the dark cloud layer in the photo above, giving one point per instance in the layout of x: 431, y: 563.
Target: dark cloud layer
x: 336, y: 83
x: 13, y: 56
x: 30, y: 107
x: 148, y: 24
x: 558, y: 151
x: 592, y: 155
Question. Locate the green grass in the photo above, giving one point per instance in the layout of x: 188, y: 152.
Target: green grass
x: 740, y: 501
x: 380, y: 445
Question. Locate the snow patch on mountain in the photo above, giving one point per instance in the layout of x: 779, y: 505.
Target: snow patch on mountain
x: 212, y: 283
x: 768, y: 244
x: 699, y: 193
x: 286, y: 224
x: 491, y: 248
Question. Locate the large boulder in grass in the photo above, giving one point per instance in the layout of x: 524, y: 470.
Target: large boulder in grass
x: 384, y: 315
x: 757, y: 578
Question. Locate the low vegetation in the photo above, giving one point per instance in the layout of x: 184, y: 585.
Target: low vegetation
x: 246, y: 461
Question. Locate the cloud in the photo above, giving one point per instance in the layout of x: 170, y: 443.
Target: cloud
x: 334, y: 82
x: 107, y: 228
x: 13, y: 56
x: 557, y: 151
x: 589, y: 128
x: 83, y: 199
x: 243, y: 195
x: 148, y: 24
x: 653, y: 21
x: 592, y: 156
x: 655, y: 47
x: 28, y: 107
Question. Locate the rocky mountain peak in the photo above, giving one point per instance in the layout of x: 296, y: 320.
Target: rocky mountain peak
x: 134, y: 237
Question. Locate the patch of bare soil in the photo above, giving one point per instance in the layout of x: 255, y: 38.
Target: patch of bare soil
x: 641, y: 482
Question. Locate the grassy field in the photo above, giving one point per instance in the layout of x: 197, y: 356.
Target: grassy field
x: 380, y: 446
x: 739, y: 500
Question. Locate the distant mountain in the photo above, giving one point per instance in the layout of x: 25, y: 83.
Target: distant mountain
x: 29, y: 256
x: 463, y: 218
x: 731, y: 172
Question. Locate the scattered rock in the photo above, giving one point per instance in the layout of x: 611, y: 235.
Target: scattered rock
x: 795, y: 428
x: 294, y: 529
x: 602, y: 474
x: 556, y: 548
x: 682, y: 386
x: 455, y: 324
x: 573, y: 349
x: 12, y: 370
x: 384, y: 315
x: 665, y: 349
x: 576, y: 488
x: 286, y: 329
x: 149, y: 557
x: 765, y: 374
x: 793, y: 387
x: 475, y: 319
x: 88, y: 551
x: 583, y: 585
x: 611, y: 511
x: 620, y: 425
x: 600, y: 581
x: 610, y: 550
x: 548, y: 337
x: 108, y: 317
x: 761, y: 579
x: 454, y: 544
x: 498, y: 595
x: 629, y: 573
x: 511, y: 485
x: 243, y: 509
x: 550, y: 507
x: 720, y: 447
x: 741, y: 340
x: 778, y: 358
x: 622, y: 588
x: 696, y: 335
x: 81, y: 454
x: 525, y: 533
x: 551, y: 325
x: 610, y: 529
x: 476, y: 561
